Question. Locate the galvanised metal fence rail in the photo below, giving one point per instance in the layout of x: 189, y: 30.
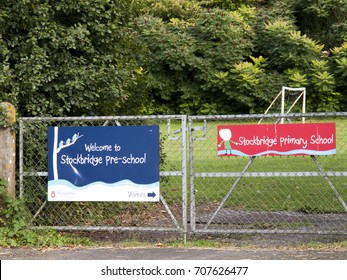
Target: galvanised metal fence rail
x: 167, y: 215
x: 200, y: 191
x: 266, y: 194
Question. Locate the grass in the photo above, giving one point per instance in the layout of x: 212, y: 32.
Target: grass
x: 201, y: 243
x: 243, y: 244
x: 289, y: 194
x: 341, y: 245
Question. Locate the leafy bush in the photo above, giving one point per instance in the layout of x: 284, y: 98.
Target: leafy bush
x: 15, y: 221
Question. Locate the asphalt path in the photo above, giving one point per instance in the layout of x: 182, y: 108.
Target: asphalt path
x: 157, y: 253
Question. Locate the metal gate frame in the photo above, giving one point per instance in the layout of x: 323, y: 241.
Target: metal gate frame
x: 239, y: 175
x: 177, y: 135
x: 193, y: 133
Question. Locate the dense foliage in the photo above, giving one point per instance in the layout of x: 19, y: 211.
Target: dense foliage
x: 100, y: 57
x: 15, y: 222
x: 67, y: 57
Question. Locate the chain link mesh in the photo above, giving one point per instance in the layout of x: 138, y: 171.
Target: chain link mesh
x: 276, y: 193
x: 168, y: 214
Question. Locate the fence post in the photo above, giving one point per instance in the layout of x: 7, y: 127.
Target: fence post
x: 8, y: 146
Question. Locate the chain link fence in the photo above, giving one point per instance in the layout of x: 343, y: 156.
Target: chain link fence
x: 289, y: 194
x: 266, y: 194
x: 168, y: 215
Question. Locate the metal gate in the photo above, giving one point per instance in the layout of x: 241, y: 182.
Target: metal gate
x: 299, y: 194
x: 284, y: 194
x: 167, y: 215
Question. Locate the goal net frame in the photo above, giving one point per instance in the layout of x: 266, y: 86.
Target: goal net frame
x: 282, y: 94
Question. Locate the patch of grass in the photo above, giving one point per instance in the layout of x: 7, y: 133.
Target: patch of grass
x: 218, y: 244
x: 331, y: 246
x: 135, y: 244
x: 308, y: 195
x: 245, y: 245
x: 201, y: 243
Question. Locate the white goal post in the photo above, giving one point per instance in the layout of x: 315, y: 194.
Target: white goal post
x: 282, y: 94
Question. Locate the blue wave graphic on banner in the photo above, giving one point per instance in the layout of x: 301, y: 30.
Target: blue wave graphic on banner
x: 269, y: 152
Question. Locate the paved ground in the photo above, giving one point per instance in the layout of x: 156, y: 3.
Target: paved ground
x: 153, y: 253
x: 253, y: 247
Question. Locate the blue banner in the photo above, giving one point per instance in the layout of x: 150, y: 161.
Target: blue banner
x: 104, y: 163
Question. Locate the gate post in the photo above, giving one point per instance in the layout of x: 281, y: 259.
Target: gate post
x: 8, y: 146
